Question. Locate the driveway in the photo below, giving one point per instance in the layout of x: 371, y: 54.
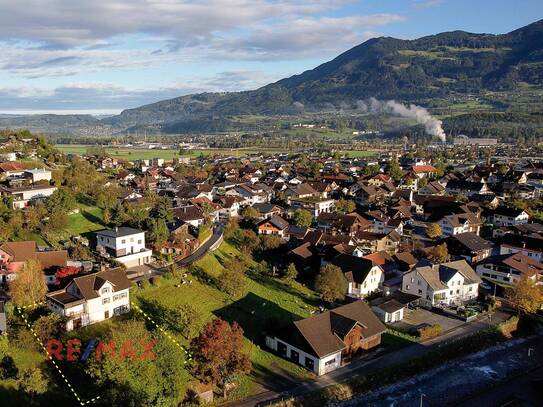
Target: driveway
x: 417, y: 317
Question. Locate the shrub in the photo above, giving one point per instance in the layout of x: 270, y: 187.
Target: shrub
x: 429, y: 332
x: 506, y: 328
x: 144, y: 284
x: 167, y: 275
x: 155, y: 281
x: 337, y: 393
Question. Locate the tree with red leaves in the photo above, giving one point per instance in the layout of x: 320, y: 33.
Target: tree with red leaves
x: 218, y: 354
x: 65, y: 272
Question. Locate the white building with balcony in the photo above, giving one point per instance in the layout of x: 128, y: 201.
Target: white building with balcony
x: 453, y: 283
x: 126, y: 245
x: 92, y: 298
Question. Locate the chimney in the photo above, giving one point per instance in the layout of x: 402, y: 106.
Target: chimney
x: 116, y: 229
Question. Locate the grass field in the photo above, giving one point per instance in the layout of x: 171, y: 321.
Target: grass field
x: 358, y: 153
x: 141, y: 153
x: 265, y: 298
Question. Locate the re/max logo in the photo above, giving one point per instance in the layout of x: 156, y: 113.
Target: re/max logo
x: 75, y: 352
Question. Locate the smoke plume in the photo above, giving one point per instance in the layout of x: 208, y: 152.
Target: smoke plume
x: 432, y: 125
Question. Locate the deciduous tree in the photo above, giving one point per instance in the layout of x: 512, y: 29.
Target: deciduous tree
x: 218, y: 353
x: 29, y: 287
x: 302, y: 218
x: 526, y: 296
x: 433, y: 230
x: 331, y: 283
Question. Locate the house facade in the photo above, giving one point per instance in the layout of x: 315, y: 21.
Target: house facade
x: 125, y: 244
x: 322, y: 342
x: 453, y: 283
x: 92, y: 298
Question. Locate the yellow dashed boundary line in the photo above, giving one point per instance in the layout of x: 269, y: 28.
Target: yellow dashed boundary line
x: 76, y: 395
x: 166, y: 333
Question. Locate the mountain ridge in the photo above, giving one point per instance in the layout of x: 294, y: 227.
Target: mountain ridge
x: 429, y: 70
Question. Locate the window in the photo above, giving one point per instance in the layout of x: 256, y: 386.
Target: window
x: 123, y: 241
x: 309, y: 363
x: 330, y: 362
x: 117, y: 297
x: 105, y: 300
x: 139, y: 241
x: 105, y: 290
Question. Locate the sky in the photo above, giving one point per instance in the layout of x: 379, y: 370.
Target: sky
x: 103, y: 56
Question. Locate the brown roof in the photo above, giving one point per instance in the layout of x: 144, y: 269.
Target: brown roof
x: 90, y: 284
x: 20, y: 251
x: 11, y: 166
x: 53, y: 258
x: 323, y: 332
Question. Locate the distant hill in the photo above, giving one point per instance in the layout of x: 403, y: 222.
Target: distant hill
x: 429, y: 69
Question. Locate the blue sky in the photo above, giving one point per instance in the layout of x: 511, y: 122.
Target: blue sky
x: 104, y: 56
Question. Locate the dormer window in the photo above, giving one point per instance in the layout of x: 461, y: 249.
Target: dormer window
x: 105, y: 290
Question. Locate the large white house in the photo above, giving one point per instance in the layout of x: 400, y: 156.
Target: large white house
x: 22, y: 196
x: 125, y: 244
x: 92, y: 298
x: 443, y: 284
x: 508, y: 269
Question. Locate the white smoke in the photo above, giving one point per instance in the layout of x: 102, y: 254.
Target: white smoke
x: 298, y: 105
x: 432, y: 125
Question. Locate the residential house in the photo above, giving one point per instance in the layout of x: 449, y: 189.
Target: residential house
x: 322, y: 342
x: 91, y: 298
x: 469, y: 246
x: 508, y: 216
x: 363, y: 276
x: 190, y: 214
x: 508, y: 269
x: 467, y: 188
x: 530, y: 246
x: 275, y: 225
x: 455, y: 224
x: 126, y: 245
x: 315, y: 206
x: 453, y: 283
x: 13, y: 256
x: 23, y: 196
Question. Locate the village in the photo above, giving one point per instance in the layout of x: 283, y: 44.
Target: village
x: 308, y: 264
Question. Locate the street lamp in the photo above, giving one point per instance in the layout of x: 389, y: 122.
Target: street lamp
x: 421, y: 396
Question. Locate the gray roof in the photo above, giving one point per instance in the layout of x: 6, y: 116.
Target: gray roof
x: 118, y: 232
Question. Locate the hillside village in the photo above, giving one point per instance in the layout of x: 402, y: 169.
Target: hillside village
x: 305, y: 263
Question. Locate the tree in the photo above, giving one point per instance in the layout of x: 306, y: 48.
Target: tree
x: 270, y: 242
x: 291, y: 273
x: 218, y: 353
x: 433, y: 230
x: 440, y: 253
x: 230, y: 228
x: 65, y: 272
x: 188, y: 319
x: 302, y: 218
x: 61, y: 201
x: 158, y: 232
x: 29, y: 287
x: 232, y: 281
x: 525, y: 296
x: 331, y: 283
x: 32, y: 382
x: 250, y: 214
x: 394, y: 171
x: 34, y: 216
x: 141, y: 378
x: 49, y: 326
x: 345, y: 206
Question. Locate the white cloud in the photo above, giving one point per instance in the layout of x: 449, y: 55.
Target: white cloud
x: 100, y: 95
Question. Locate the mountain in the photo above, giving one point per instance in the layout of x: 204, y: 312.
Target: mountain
x: 504, y: 69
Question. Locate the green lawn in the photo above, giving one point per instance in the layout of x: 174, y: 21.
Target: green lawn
x: 89, y: 219
x: 141, y: 153
x: 265, y: 299
x: 358, y: 153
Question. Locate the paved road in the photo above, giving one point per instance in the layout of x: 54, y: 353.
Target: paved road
x: 202, y: 250
x: 365, y: 366
x: 187, y: 261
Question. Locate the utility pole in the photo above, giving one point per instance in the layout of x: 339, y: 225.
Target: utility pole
x: 421, y: 396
